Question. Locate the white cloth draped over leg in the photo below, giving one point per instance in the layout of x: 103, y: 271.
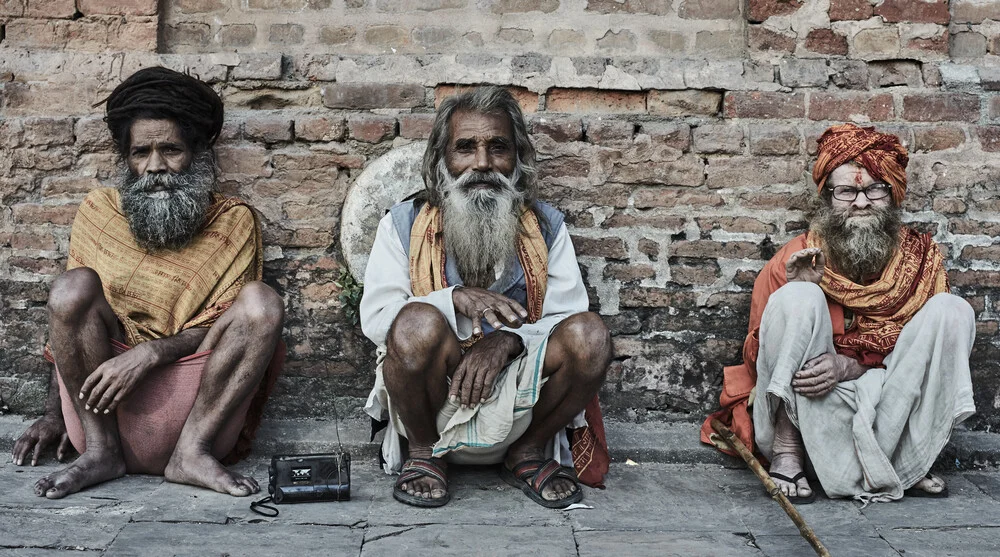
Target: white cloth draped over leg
x: 875, y: 436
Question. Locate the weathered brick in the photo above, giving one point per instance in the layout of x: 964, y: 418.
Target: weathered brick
x: 293, y: 5
x: 611, y: 248
x: 48, y: 131
x: 861, y: 107
x: 841, y: 10
x: 240, y: 34
x: 715, y: 250
x: 993, y: 107
x: 252, y: 160
x: 258, y: 66
x: 434, y: 37
x: 522, y: 6
x: 876, y: 43
x: 515, y: 35
x: 387, y: 36
x: 560, y: 129
x: 966, y: 226
x: 760, y: 10
x: 738, y: 172
x: 629, y: 272
x: 29, y: 240
x: 825, y: 41
x: 808, y: 72
x: 554, y: 170
x: 646, y: 198
x: 648, y: 218
x: 621, y: 42
x: 774, y: 140
x: 594, y: 100
x: 761, y: 104
x: 724, y: 44
x: 30, y: 213
x: 602, y: 131
x: 336, y: 34
x: 937, y: 44
x: 685, y: 171
x: 40, y: 8
x: 744, y: 225
x: 937, y: 138
x: 914, y: 11
x: 419, y: 5
x: 196, y: 34
x: 200, y: 6
x: 415, y: 126
x: 709, y: 9
x: 373, y: 95
x: 687, y: 102
x: 653, y: 7
x: 849, y: 74
x: 371, y: 128
x: 891, y: 73
x: 54, y: 186
x: 762, y: 38
x: 691, y: 271
x: 527, y: 99
x: 718, y: 138
x: 673, y: 135
x: 949, y: 205
x: 974, y: 11
x: 968, y: 44
x: 975, y: 279
x: 941, y: 107
x: 286, y: 33
x: 989, y: 138
x: 117, y: 7
x: 669, y: 41
x: 643, y: 297
x: 268, y: 128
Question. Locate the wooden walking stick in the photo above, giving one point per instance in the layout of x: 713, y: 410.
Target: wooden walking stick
x: 772, y: 488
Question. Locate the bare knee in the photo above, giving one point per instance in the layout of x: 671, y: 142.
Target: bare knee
x: 586, y: 339
x: 418, y: 331
x: 261, y: 308
x: 73, y: 293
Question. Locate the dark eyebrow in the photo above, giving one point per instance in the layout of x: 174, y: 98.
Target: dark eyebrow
x: 464, y: 142
x: 499, y: 140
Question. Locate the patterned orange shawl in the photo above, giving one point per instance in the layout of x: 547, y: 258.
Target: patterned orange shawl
x: 157, y: 295
x: 913, y: 275
x: 591, y: 458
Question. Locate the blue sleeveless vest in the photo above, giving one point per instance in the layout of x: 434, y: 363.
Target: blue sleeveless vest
x: 511, y: 284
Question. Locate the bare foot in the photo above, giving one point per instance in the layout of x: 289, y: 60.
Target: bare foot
x: 555, y: 490
x: 426, y: 486
x: 931, y: 484
x: 202, y: 469
x: 93, y: 467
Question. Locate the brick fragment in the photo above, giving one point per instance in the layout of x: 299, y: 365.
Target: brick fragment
x: 268, y: 128
x: 760, y: 10
x: 524, y: 97
x: 687, y: 102
x: 709, y: 9
x: 48, y: 131
x: 715, y: 250
x: 673, y: 135
x: 858, y: 107
x: 891, y: 73
x: 941, y: 107
x: 877, y: 43
x: 560, y: 129
x: 937, y: 138
x: 240, y: 34
x: 974, y: 11
x: 949, y: 205
x: 653, y: 7
x: 387, y: 36
x: 117, y: 7
x: 594, y: 100
x: 373, y: 95
x: 646, y: 198
x: 33, y: 213
x: 415, y: 126
x: 39, y: 8
x: 608, y: 247
x: 914, y: 11
x: 825, y: 41
x: 371, y: 128
x: 31, y: 240
x: 602, y: 131
x: 629, y: 272
x: 258, y: 66
x: 967, y: 44
x: 737, y: 172
x: 689, y: 271
x: 686, y: 171
x: 336, y: 34
x: 194, y: 34
x: 847, y: 10
x: 774, y: 140
x: 808, y: 72
x: 989, y: 138
x: 286, y: 33
x: 762, y: 38
x: 718, y: 138
x: 938, y: 44
x: 200, y: 6
x: 762, y: 104
x: 522, y: 6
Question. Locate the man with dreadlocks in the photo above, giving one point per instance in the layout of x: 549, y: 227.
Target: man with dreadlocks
x: 857, y: 356
x: 487, y: 353
x: 164, y: 340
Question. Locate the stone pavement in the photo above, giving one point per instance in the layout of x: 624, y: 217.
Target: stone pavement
x: 649, y: 508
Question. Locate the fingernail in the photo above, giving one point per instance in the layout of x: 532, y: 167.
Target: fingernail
x: 86, y: 407
x: 482, y: 400
x: 108, y: 410
x: 95, y: 410
x: 453, y: 398
x: 81, y: 396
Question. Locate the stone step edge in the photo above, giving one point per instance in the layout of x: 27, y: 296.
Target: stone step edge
x: 658, y: 442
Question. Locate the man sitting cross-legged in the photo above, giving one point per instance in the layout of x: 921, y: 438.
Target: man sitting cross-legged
x: 857, y: 357
x: 475, y: 299
x: 160, y: 329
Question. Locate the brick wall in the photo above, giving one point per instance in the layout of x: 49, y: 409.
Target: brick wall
x: 677, y: 135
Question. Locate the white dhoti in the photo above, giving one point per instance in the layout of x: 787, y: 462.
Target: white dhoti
x: 877, y: 435
x: 481, y: 433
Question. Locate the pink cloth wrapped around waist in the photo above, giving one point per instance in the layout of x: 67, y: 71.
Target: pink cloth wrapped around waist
x: 151, y: 418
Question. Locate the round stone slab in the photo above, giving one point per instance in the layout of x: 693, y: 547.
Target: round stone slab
x: 386, y: 181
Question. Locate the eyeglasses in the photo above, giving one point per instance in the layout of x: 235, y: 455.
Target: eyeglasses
x: 872, y: 192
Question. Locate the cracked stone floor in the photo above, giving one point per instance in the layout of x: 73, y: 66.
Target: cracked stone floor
x: 648, y: 509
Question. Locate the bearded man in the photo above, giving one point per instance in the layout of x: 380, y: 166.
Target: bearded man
x: 474, y: 297
x: 160, y: 330
x: 857, y: 356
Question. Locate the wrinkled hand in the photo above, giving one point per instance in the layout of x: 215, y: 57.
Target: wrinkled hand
x: 820, y: 375
x: 806, y: 265
x: 46, y: 431
x: 473, y: 379
x: 478, y: 304
x: 113, y: 380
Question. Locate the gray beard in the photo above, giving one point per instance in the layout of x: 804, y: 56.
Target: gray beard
x: 480, y: 225
x: 858, y: 247
x: 172, y: 217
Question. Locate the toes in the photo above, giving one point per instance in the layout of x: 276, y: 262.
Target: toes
x: 43, y: 485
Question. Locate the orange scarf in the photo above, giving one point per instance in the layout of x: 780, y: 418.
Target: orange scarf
x: 591, y: 458
x: 881, y: 309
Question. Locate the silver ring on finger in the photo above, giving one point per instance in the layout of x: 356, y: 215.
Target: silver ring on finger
x: 482, y: 314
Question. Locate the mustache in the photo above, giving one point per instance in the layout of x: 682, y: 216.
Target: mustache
x: 493, y: 179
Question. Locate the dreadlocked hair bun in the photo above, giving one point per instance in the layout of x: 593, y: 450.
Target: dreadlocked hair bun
x: 161, y: 93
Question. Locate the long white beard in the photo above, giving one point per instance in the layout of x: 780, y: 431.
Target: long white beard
x: 480, y: 225
x: 859, y: 246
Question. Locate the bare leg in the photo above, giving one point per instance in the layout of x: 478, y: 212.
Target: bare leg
x: 576, y: 361
x: 81, y: 323
x: 789, y: 456
x: 422, y: 353
x: 242, y: 343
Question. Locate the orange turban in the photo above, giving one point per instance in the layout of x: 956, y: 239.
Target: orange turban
x: 881, y: 154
